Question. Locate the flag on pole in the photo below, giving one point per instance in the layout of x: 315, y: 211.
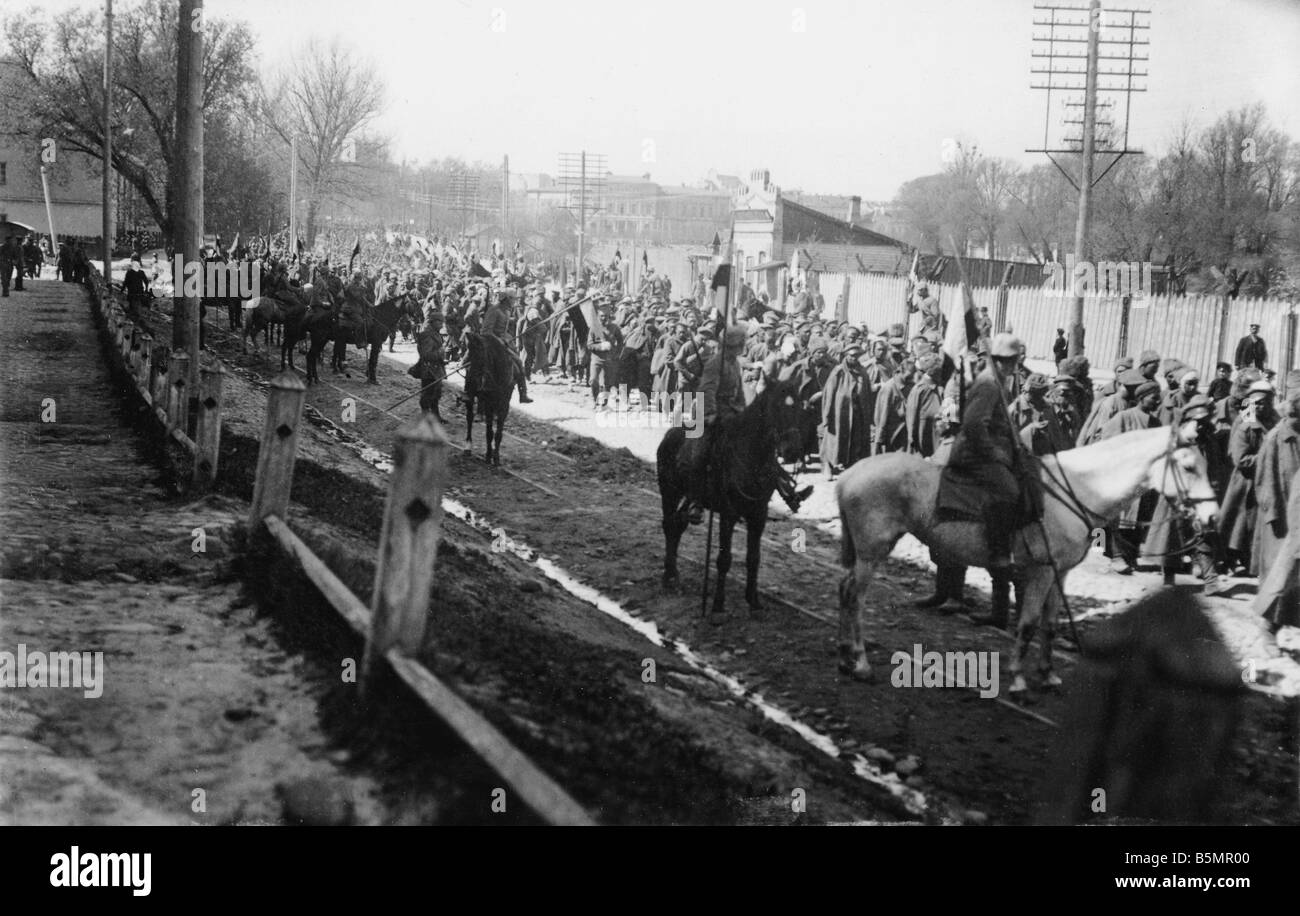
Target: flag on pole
x: 962, y: 333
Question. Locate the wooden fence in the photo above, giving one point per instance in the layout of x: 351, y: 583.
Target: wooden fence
x: 1199, y: 330
x: 394, y: 624
x: 160, y: 378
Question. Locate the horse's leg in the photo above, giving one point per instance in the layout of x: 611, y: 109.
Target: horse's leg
x: 372, y: 367
x: 1047, y: 632
x: 674, y: 524
x: 469, y: 414
x: 501, y: 427
x: 853, y: 608
x: 725, y: 530
x: 754, y: 544
x: 1036, y: 583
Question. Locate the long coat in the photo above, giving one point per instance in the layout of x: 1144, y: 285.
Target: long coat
x: 847, y: 407
x: 1275, y: 466
x: 891, y: 417
x: 922, y: 412
x: 1103, y: 411
x: 1139, y: 510
x: 1240, y: 506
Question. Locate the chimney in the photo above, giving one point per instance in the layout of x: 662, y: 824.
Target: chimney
x: 855, y: 209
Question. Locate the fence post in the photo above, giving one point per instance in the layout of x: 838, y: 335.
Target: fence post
x: 1223, y: 328
x: 1292, y: 320
x: 133, y: 350
x: 158, y: 376
x: 144, y: 365
x: 207, y: 427
x: 178, y: 400
x: 408, y: 545
x: 279, y: 446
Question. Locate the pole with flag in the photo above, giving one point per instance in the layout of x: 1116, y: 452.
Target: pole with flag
x: 356, y: 253
x: 962, y: 333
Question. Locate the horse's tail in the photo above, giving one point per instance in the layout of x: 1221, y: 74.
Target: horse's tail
x: 848, y: 553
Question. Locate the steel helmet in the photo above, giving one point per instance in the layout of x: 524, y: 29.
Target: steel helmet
x: 1005, y: 346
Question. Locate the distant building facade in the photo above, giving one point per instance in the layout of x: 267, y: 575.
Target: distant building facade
x: 74, y: 178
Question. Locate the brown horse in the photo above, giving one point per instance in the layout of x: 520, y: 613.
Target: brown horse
x: 489, y: 383
x: 886, y: 496
x: 742, y: 477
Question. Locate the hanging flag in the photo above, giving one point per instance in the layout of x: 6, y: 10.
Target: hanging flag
x: 478, y: 270
x: 962, y: 333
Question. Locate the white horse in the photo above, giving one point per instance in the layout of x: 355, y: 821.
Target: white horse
x: 886, y: 496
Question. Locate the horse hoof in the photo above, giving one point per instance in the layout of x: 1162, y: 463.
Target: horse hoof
x: 755, y: 605
x: 1051, y: 681
x: 1018, y: 684
x: 860, y: 671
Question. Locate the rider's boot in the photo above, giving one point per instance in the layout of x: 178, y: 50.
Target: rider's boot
x: 786, y: 486
x: 1000, y: 606
x: 523, y: 388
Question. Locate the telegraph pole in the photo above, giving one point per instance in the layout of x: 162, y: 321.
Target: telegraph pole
x: 505, y: 198
x: 582, y: 214
x: 107, y: 225
x: 1063, y: 77
x: 1084, y: 222
x: 187, y: 235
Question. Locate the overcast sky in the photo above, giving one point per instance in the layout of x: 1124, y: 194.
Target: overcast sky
x: 859, y: 101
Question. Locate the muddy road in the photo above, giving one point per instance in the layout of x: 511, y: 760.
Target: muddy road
x: 593, y: 511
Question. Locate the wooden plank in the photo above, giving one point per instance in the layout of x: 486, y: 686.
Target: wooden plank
x: 542, y: 794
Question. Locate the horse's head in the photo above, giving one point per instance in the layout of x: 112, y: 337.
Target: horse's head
x: 780, y: 406
x: 1182, y: 476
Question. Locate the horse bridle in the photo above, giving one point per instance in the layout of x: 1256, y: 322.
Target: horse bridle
x: 1182, y: 502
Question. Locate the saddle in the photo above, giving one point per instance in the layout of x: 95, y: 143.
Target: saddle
x: 966, y: 493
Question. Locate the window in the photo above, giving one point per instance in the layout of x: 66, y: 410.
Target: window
x: 3, y: 177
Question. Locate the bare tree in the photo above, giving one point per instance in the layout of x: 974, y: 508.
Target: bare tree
x: 60, y: 93
x: 325, y: 100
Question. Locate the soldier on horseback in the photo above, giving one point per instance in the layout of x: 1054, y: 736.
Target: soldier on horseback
x: 986, y: 456
x: 722, y: 393
x: 354, y: 312
x: 497, y: 323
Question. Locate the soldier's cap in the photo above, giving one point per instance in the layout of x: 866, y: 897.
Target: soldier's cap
x: 1037, y: 382
x: 1254, y: 326
x: 1185, y: 373
x: 1170, y: 365
x: 1260, y: 387
x: 1146, y: 388
x: 1125, y: 363
x: 897, y: 342
x: 1218, y: 366
x: 673, y: 310
x: 1005, y: 346
x: 1198, y: 408
x: 1064, y: 379
x: 707, y: 333
x: 1131, y: 378
x: 930, y: 362
x: 817, y: 343
x: 852, y: 331
x: 1148, y: 356
x: 626, y: 300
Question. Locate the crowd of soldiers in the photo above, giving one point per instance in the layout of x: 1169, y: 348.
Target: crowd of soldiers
x: 864, y: 394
